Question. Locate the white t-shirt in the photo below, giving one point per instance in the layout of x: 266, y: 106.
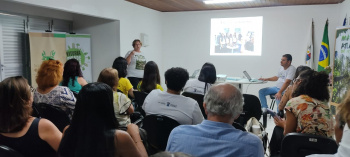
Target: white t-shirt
x: 196, y: 86
x: 182, y: 109
x: 137, y: 64
x: 121, y: 104
x: 285, y: 74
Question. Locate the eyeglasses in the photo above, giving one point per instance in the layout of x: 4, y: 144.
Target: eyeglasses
x: 296, y: 80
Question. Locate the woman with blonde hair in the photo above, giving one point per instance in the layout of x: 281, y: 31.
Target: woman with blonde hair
x: 20, y: 131
x: 48, y: 78
x: 122, y: 104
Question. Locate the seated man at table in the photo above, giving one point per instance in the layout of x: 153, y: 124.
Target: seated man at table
x: 216, y: 136
x: 170, y: 103
x: 283, y: 78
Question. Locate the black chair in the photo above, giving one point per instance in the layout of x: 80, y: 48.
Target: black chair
x: 238, y: 126
x: 299, y: 144
x: 251, y: 108
x: 139, y: 99
x: 56, y: 115
x: 158, y: 130
x: 199, y: 98
x: 9, y: 152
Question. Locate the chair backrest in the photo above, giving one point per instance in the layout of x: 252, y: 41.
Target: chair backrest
x: 299, y: 144
x: 140, y: 97
x: 238, y: 126
x: 251, y: 108
x: 158, y: 130
x: 199, y: 98
x: 56, y: 115
x: 9, y: 152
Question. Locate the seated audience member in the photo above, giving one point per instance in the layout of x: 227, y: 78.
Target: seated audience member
x: 216, y: 136
x: 20, y: 131
x: 288, y: 92
x: 48, y: 77
x: 307, y: 112
x: 151, y: 78
x: 342, y: 130
x: 121, y: 103
x: 124, y: 84
x: 170, y: 103
x: 206, y: 78
x: 73, y: 76
x: 93, y: 131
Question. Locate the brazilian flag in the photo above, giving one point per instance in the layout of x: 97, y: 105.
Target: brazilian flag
x: 323, y: 61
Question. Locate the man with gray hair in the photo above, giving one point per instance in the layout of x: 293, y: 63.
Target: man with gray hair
x: 216, y: 136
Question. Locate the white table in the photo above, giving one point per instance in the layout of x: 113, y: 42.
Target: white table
x: 238, y: 82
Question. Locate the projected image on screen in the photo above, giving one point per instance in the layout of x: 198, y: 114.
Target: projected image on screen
x: 236, y: 36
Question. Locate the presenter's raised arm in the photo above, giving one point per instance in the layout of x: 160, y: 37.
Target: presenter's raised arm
x: 128, y: 58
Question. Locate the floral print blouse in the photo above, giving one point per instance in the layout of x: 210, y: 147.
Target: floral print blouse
x: 313, y: 116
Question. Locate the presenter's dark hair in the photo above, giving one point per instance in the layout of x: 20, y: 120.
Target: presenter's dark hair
x: 92, y: 130
x: 313, y: 84
x: 121, y: 65
x: 134, y: 42
x: 176, y: 78
x: 71, y: 70
x: 150, y: 77
x: 288, y: 56
x: 207, y: 74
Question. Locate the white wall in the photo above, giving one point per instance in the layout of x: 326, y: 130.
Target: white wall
x: 105, y: 40
x: 285, y: 30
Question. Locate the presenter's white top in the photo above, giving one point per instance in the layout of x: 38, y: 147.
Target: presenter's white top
x: 137, y: 64
x: 285, y: 74
x: 182, y: 109
x: 196, y: 86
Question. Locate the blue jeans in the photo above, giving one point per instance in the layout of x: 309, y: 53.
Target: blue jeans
x: 266, y: 92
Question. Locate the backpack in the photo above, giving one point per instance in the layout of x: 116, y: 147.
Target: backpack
x: 263, y: 134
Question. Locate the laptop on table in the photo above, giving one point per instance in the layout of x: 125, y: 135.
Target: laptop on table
x: 249, y: 78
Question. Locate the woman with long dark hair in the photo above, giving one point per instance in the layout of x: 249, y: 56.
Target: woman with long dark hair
x: 206, y: 78
x: 151, y: 78
x: 93, y: 128
x: 124, y: 85
x: 20, y: 131
x: 73, y: 76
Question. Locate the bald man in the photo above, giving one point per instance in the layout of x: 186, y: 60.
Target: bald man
x: 216, y: 136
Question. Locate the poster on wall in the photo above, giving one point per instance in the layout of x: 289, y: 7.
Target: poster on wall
x: 45, y: 46
x: 79, y: 47
x: 341, y: 78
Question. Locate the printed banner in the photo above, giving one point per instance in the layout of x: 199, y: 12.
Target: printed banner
x: 45, y: 46
x: 341, y: 78
x: 79, y: 47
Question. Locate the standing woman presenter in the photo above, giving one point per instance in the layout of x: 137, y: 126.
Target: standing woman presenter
x: 136, y: 63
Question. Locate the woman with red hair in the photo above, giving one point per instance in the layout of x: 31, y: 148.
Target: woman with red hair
x: 48, y: 78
